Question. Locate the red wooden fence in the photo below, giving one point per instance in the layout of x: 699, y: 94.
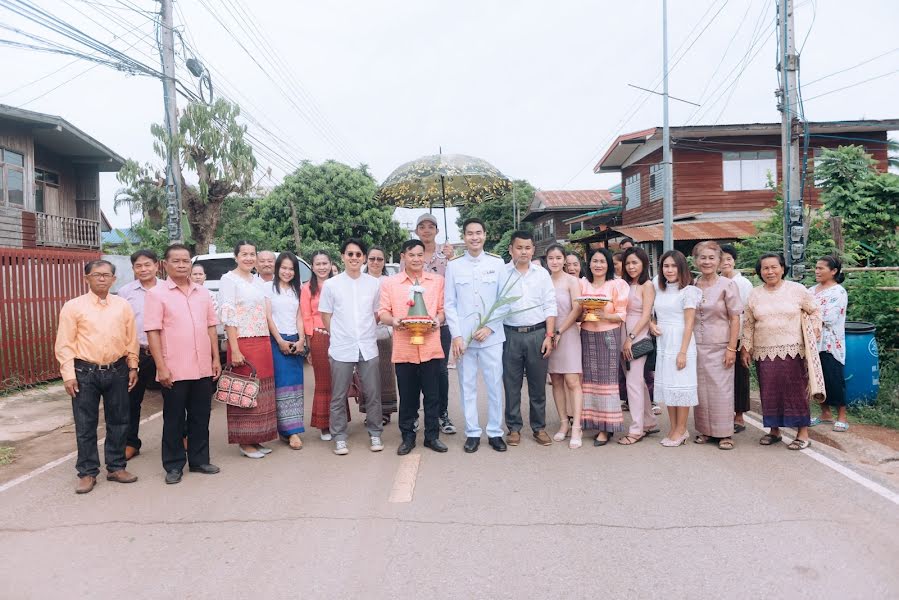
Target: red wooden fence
x: 34, y: 284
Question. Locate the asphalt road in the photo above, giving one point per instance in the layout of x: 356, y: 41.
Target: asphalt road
x: 613, y: 522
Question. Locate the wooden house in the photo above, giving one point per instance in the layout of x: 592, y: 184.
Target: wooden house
x: 556, y: 214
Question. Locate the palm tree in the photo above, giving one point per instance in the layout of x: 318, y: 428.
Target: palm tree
x: 144, y: 194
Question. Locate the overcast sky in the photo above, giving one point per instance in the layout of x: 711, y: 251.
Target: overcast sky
x: 538, y: 88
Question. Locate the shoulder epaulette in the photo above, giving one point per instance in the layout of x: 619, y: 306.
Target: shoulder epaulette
x: 494, y: 255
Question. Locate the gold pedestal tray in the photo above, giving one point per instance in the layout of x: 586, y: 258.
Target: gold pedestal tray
x: 592, y: 305
x: 418, y: 327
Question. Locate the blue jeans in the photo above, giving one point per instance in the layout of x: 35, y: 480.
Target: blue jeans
x: 112, y: 385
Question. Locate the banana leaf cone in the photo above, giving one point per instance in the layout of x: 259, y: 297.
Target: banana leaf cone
x: 418, y: 321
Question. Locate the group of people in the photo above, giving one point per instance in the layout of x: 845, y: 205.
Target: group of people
x: 674, y: 339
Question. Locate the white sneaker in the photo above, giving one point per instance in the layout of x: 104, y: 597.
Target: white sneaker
x: 326, y: 436
x: 340, y: 448
x: 376, y: 445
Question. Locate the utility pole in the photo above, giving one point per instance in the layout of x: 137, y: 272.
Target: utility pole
x: 788, y: 102
x: 668, y: 169
x: 173, y: 169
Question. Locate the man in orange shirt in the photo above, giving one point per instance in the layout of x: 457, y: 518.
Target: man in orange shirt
x: 96, y: 346
x: 417, y: 366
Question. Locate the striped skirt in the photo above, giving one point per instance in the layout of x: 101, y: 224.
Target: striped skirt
x: 288, y: 388
x: 321, y: 371
x: 783, y: 387
x: 600, y: 358
x: 255, y: 425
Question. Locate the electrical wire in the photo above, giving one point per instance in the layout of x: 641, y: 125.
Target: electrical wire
x: 852, y: 85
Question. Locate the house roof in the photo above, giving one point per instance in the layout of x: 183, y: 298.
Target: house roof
x: 626, y: 145
x: 114, y: 237
x: 62, y: 138
x: 691, y: 230
x: 606, y: 211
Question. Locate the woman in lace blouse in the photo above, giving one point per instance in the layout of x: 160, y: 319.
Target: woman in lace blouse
x: 773, y: 338
x: 242, y: 304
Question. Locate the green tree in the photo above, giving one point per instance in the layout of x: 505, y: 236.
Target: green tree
x: 144, y: 193
x: 497, y: 213
x: 865, y: 198
x: 769, y: 238
x: 319, y: 206
x: 211, y: 143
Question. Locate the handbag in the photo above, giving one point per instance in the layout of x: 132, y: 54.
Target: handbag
x: 237, y: 390
x: 642, y: 347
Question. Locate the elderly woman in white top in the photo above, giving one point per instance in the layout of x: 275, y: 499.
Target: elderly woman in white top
x: 285, y: 322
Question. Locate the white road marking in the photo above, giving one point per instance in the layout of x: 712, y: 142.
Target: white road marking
x: 404, y: 482
x: 59, y: 461
x: 863, y: 481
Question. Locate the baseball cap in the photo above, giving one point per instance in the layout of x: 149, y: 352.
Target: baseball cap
x: 426, y: 217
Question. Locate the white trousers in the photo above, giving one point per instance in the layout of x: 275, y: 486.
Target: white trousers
x: 488, y: 361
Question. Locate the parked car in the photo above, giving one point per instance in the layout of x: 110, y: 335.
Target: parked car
x: 220, y: 263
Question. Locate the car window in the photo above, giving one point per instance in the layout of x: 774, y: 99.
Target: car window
x: 216, y: 267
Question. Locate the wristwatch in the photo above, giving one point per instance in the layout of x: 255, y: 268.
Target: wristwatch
x: 632, y: 336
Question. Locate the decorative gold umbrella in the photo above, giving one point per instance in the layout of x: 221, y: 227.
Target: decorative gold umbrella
x: 443, y: 180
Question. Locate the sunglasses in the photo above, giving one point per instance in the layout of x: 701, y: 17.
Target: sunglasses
x: 376, y: 259
x: 354, y: 254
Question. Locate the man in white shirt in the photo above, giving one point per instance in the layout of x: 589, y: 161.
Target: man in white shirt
x: 265, y: 267
x: 349, y: 308
x: 529, y: 328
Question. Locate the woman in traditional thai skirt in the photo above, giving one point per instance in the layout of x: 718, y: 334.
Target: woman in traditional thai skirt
x: 716, y: 333
x: 242, y: 304
x: 288, y: 348
x: 832, y: 301
x: 773, y: 337
x: 600, y: 347
x: 318, y: 341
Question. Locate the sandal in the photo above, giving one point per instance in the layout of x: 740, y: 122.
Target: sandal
x: 841, y: 426
x: 701, y: 439
x: 818, y: 421
x: 575, y: 441
x: 629, y: 440
x: 650, y: 431
x: 768, y: 439
x: 725, y: 444
x: 798, y: 444
x: 739, y: 427
x: 561, y: 435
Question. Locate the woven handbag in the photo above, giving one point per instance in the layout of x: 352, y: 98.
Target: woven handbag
x: 237, y: 390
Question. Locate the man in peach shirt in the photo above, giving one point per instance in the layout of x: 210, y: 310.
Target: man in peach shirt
x: 180, y: 323
x: 417, y: 366
x: 96, y: 346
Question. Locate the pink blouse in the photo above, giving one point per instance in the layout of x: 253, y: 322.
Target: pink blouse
x: 618, y: 291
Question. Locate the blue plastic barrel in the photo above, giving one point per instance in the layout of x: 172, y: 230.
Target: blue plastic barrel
x: 862, y: 363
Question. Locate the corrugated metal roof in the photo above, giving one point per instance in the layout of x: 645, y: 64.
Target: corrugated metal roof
x: 692, y: 230
x: 114, y: 238
x: 555, y: 199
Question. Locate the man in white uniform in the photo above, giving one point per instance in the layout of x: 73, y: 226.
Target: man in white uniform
x: 474, y: 281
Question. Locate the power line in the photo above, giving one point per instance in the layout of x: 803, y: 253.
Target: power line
x: 852, y: 85
x: 855, y: 66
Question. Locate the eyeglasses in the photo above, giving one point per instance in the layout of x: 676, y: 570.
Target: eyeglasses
x: 355, y: 254
x: 101, y: 275
x: 376, y: 258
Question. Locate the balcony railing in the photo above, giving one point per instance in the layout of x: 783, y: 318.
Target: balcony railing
x: 66, y: 232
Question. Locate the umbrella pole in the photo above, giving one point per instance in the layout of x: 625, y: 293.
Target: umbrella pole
x: 443, y: 196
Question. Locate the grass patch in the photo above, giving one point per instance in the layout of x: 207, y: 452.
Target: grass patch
x: 7, y: 455
x: 885, y: 411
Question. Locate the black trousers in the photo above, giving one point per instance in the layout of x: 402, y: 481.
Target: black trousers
x: 195, y: 398
x: 446, y: 341
x: 521, y: 354
x: 112, y: 386
x: 146, y: 374
x: 412, y: 381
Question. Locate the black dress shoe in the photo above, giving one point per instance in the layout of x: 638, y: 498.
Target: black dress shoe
x: 436, y: 445
x: 173, y: 476
x: 406, y: 447
x: 207, y: 469
x: 497, y: 443
x: 471, y: 444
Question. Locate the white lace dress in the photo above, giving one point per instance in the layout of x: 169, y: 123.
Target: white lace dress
x: 673, y: 386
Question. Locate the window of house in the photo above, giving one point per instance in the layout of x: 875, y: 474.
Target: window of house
x: 552, y: 227
x: 572, y: 227
x: 632, y: 192
x: 12, y: 177
x: 749, y: 170
x: 656, y: 182
x: 44, y: 181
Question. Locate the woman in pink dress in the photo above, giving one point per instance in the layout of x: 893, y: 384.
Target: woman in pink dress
x: 565, y: 360
x: 601, y: 352
x: 636, y: 329
x: 716, y: 331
